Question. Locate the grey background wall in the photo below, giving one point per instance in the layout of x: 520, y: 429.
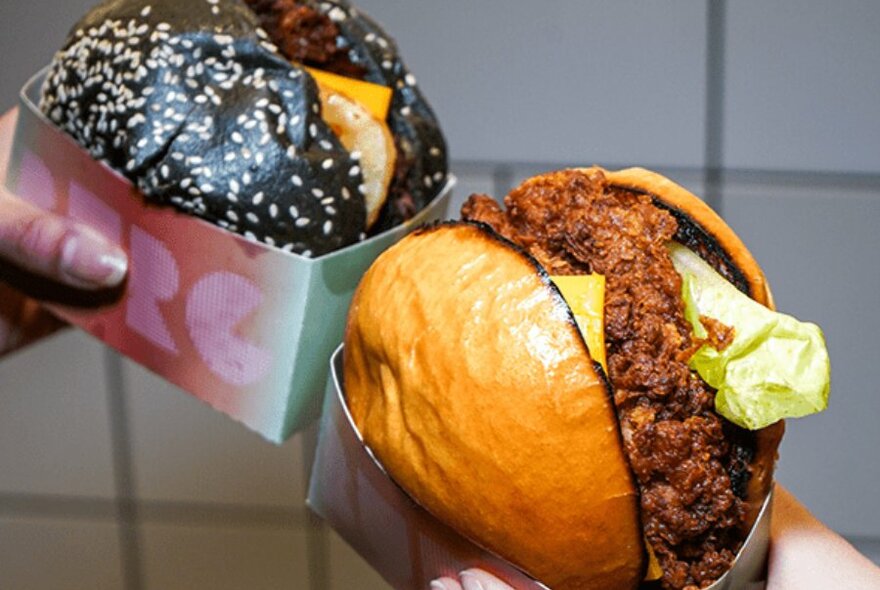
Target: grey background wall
x: 111, y: 479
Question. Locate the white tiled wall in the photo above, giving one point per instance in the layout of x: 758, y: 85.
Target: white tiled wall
x: 58, y: 555
x: 606, y: 82
x: 31, y: 32
x: 801, y: 85
x: 54, y: 421
x: 223, y: 558
x: 184, y: 451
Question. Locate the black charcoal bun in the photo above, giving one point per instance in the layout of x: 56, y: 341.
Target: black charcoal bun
x: 192, y: 102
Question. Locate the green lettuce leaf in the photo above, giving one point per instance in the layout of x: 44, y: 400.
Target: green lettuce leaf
x: 775, y: 368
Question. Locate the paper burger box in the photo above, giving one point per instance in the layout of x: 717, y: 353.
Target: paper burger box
x: 407, y: 545
x: 243, y: 326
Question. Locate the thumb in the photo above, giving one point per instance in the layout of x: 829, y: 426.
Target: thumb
x: 475, y: 579
x: 445, y: 584
x: 57, y: 248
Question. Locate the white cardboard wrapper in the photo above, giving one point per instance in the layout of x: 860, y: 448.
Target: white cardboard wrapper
x: 407, y: 545
x: 243, y: 326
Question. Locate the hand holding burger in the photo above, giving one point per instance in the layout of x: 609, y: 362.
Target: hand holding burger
x: 807, y: 555
x: 804, y: 554
x: 589, y: 458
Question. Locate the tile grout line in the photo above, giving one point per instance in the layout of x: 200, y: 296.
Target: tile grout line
x: 202, y: 514
x: 317, y: 536
x: 789, y: 177
x: 29, y: 505
x: 713, y: 159
x: 123, y: 474
x: 502, y: 180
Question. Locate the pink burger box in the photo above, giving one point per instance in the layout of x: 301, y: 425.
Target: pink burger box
x: 243, y: 326
x: 406, y: 544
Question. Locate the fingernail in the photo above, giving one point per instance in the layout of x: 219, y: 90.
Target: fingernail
x: 89, y: 260
x: 438, y: 585
x: 470, y: 582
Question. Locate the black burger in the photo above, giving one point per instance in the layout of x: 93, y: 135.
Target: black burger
x: 218, y: 108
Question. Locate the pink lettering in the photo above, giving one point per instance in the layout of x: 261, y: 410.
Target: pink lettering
x: 84, y: 206
x: 153, y: 278
x: 35, y: 182
x: 214, y: 306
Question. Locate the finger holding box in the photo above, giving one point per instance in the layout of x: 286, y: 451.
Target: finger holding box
x: 35, y: 241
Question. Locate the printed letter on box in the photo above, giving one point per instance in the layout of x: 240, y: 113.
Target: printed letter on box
x: 214, y: 307
x: 153, y: 278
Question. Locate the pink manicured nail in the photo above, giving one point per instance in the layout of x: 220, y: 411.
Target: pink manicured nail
x: 470, y: 582
x: 445, y: 584
x: 87, y: 259
x: 476, y: 579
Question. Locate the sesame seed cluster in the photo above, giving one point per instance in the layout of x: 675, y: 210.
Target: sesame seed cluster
x: 192, y: 102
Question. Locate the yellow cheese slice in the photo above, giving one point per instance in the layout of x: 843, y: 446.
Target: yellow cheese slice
x: 374, y: 97
x: 585, y: 295
x: 655, y: 572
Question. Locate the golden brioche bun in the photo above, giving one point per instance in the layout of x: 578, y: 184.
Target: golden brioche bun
x: 699, y: 227
x: 462, y: 417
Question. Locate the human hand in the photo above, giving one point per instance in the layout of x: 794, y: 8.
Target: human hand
x: 36, y: 243
x: 804, y: 554
x: 807, y: 555
x: 472, y: 579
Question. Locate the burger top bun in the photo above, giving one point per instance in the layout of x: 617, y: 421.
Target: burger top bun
x: 196, y: 104
x: 700, y: 228
x: 502, y: 426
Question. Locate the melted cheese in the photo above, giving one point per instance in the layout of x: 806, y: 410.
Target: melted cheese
x: 585, y: 295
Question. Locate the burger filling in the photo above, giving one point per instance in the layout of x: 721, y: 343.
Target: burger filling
x: 691, y: 465
x: 307, y: 36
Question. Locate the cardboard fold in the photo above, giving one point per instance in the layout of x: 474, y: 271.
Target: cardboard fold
x: 245, y: 327
x: 406, y: 544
